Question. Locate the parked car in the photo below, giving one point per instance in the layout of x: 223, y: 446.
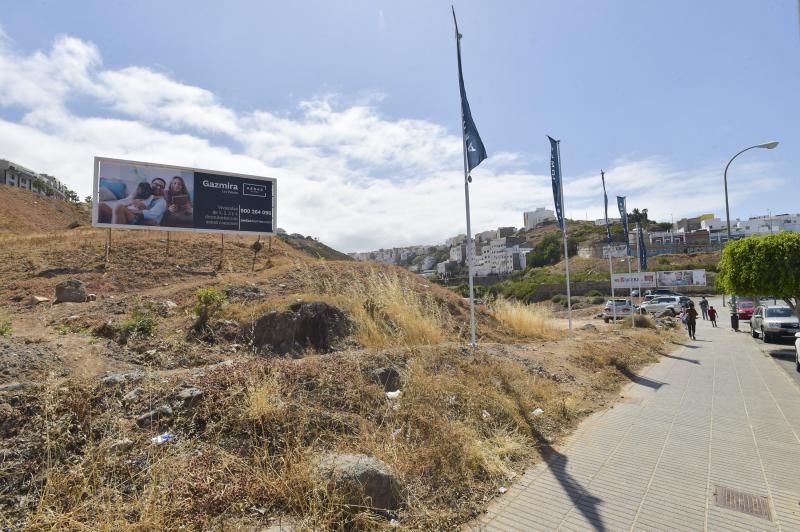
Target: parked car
x: 622, y: 308
x: 744, y: 308
x: 659, y: 304
x: 661, y: 292
x: 773, y: 321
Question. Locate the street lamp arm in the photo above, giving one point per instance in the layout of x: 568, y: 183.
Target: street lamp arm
x: 768, y: 146
x: 738, y: 154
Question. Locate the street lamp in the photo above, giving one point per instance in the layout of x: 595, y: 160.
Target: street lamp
x: 769, y: 146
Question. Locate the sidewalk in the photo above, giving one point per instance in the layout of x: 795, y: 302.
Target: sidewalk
x: 705, y: 440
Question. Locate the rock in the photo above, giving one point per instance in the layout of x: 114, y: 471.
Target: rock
x: 35, y: 300
x: 361, y: 479
x: 319, y: 325
x: 189, y: 396
x: 147, y: 419
x: 71, y: 291
x: 133, y: 395
x: 389, y: 378
x: 91, y: 297
x: 116, y: 379
x: 12, y: 387
x: 589, y: 327
x: 122, y: 445
x: 246, y: 292
x: 275, y: 330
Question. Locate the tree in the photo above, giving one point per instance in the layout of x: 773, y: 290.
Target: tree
x: 638, y: 216
x: 550, y: 250
x: 763, y: 266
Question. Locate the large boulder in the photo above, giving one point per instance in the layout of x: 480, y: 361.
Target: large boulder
x: 361, y: 480
x: 275, y: 331
x: 319, y: 325
x: 315, y: 324
x: 71, y: 291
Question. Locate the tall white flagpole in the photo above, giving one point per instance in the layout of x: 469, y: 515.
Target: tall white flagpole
x: 564, y: 232
x: 630, y: 292
x: 470, y: 243
x: 611, y: 278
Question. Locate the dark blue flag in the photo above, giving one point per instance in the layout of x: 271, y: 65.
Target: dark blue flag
x: 555, y: 175
x: 623, y: 213
x: 473, y: 144
x: 642, y: 248
x: 605, y: 202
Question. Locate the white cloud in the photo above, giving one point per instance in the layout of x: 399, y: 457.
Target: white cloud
x: 347, y: 174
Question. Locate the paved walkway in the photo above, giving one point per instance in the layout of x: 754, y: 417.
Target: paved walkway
x: 713, y: 426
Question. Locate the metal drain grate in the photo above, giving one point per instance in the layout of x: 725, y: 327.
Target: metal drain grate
x: 742, y: 502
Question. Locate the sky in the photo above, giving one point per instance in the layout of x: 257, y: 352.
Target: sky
x: 354, y: 106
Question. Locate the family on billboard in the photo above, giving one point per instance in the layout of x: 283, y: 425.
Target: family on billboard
x: 153, y: 203
x: 149, y: 196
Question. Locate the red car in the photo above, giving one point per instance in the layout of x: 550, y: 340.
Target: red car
x: 744, y: 309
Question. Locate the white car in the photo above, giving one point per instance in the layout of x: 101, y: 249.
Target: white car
x: 657, y: 305
x: 621, y: 308
x: 797, y: 350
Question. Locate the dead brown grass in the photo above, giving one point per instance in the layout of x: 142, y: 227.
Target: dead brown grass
x: 527, y: 321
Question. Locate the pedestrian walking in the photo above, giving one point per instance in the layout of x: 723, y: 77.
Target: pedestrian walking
x: 712, y: 315
x: 704, y: 307
x: 691, y: 321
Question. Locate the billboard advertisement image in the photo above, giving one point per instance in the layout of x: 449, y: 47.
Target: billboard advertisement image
x: 682, y: 278
x: 137, y: 195
x: 633, y: 280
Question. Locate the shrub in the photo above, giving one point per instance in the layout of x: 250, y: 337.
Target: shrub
x: 142, y: 322
x: 209, y: 302
x: 598, y: 300
x: 593, y: 293
x: 642, y: 322
x: 5, y: 327
x: 558, y: 298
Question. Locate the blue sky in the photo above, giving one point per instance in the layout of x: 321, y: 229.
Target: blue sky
x: 353, y: 105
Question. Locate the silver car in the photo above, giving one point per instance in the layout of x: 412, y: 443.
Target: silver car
x: 772, y: 322
x: 619, y: 308
x: 657, y: 305
x: 797, y: 351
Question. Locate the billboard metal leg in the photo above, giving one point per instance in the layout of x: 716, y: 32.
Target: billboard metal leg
x: 108, y: 244
x: 221, y: 250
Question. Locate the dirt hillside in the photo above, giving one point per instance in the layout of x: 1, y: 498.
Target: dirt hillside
x: 257, y: 368
x: 24, y: 212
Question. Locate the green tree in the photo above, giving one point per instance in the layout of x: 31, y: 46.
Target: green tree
x: 763, y: 265
x: 550, y: 250
x: 638, y: 216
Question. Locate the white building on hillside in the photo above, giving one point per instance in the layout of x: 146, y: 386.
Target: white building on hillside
x: 540, y: 215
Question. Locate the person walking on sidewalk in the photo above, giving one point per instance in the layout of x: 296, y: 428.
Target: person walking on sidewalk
x: 712, y: 315
x: 691, y: 321
x: 704, y: 307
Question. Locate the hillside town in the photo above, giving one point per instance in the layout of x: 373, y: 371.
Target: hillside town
x: 16, y: 175
x: 501, y: 251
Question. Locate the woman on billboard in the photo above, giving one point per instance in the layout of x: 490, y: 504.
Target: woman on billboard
x: 179, y: 205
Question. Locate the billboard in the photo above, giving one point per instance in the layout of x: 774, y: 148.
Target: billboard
x: 633, y: 280
x: 682, y: 278
x: 616, y: 252
x: 137, y: 195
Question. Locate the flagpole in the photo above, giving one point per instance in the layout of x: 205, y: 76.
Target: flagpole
x: 611, y: 278
x: 564, y: 232
x: 470, y: 244
x: 630, y: 292
x: 470, y: 249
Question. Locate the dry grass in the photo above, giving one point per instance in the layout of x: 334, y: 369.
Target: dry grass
x: 388, y: 305
x: 527, y: 321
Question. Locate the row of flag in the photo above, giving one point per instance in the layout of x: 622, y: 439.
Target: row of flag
x: 475, y: 152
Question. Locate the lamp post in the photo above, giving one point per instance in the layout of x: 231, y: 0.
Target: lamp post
x: 769, y: 146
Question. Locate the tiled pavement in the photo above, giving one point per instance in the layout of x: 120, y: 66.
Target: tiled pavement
x: 717, y: 414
